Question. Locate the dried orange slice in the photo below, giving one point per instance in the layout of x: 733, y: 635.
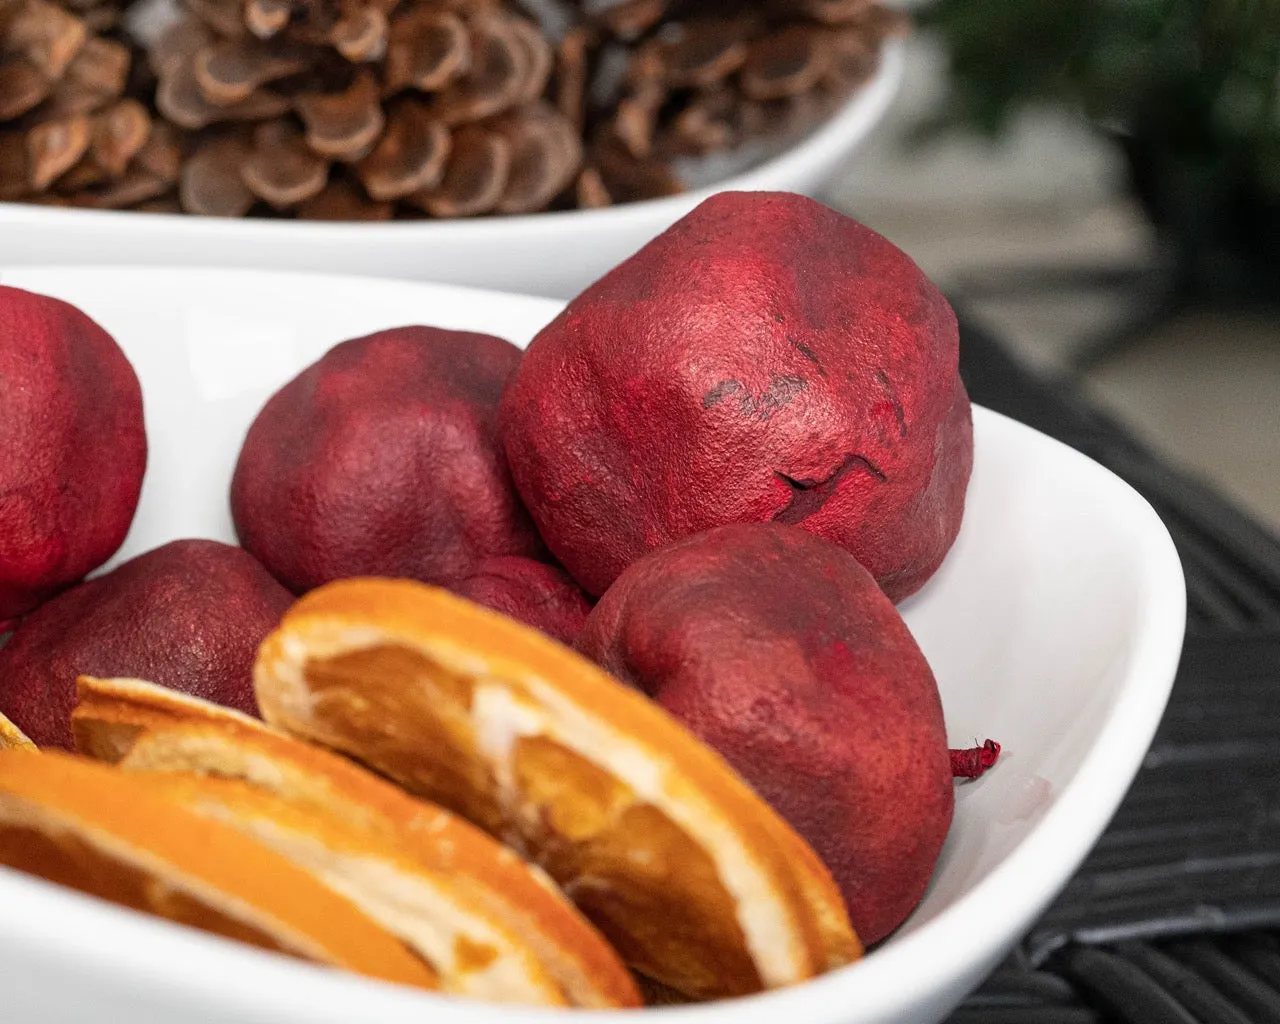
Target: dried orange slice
x: 110, y: 714
x: 473, y: 955
x: 696, y: 881
x: 90, y: 827
x: 13, y: 738
x: 473, y: 893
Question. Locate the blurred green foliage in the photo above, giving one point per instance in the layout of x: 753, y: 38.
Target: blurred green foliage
x: 1196, y: 80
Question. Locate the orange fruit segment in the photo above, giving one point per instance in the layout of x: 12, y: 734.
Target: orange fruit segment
x: 13, y: 738
x: 111, y: 835
x: 472, y: 890
x: 693, y: 878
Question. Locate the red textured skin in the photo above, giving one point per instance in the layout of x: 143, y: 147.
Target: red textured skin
x: 539, y: 595
x: 778, y: 649
x: 189, y: 615
x: 74, y: 448
x: 763, y: 338
x: 381, y: 460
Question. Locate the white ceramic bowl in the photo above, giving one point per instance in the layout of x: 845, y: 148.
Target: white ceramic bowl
x: 555, y: 254
x: 1054, y: 626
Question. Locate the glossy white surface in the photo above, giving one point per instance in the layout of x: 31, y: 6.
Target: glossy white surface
x: 556, y: 254
x: 1054, y: 626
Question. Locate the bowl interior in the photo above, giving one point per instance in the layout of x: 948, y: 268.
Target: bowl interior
x: 1053, y: 626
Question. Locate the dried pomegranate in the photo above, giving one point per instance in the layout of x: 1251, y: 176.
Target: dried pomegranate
x: 764, y: 359
x: 74, y: 452
x: 189, y: 615
x: 777, y: 648
x: 380, y: 460
x: 535, y: 593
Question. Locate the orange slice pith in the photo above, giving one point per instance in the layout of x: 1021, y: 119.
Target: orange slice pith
x: 13, y: 738
x: 87, y: 826
x: 474, y: 879
x: 695, y: 880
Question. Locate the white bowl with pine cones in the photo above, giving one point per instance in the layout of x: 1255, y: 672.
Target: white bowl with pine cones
x: 519, y: 144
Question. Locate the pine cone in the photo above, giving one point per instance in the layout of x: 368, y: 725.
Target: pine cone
x: 68, y: 134
x: 363, y: 109
x: 373, y: 109
x: 707, y: 84
x: 653, y: 81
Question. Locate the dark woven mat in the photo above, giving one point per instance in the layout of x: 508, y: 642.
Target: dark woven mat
x: 1175, y: 916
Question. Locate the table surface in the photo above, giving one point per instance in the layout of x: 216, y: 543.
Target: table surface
x: 1175, y: 916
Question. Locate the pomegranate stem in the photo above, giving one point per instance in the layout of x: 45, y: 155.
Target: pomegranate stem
x: 970, y: 763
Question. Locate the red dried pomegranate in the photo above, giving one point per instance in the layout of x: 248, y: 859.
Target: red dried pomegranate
x: 189, y: 615
x: 539, y: 595
x: 764, y: 359
x: 778, y: 649
x: 74, y: 451
x: 381, y: 460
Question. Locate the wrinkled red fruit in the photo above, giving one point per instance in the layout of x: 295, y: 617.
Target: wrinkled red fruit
x: 539, y: 595
x: 778, y: 649
x: 764, y: 359
x: 381, y: 460
x: 189, y: 615
x: 74, y: 448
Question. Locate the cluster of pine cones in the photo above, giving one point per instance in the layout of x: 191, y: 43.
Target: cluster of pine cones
x: 374, y: 109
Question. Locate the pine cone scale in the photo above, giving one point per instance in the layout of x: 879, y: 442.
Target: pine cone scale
x: 786, y: 64
x: 101, y: 65
x: 426, y: 50
x: 22, y: 87
x: 345, y: 125
x: 47, y: 36
x: 54, y: 147
x: 545, y: 157
x: 282, y: 170
x: 211, y: 184
x: 231, y: 71
x: 475, y: 177
x: 410, y: 157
